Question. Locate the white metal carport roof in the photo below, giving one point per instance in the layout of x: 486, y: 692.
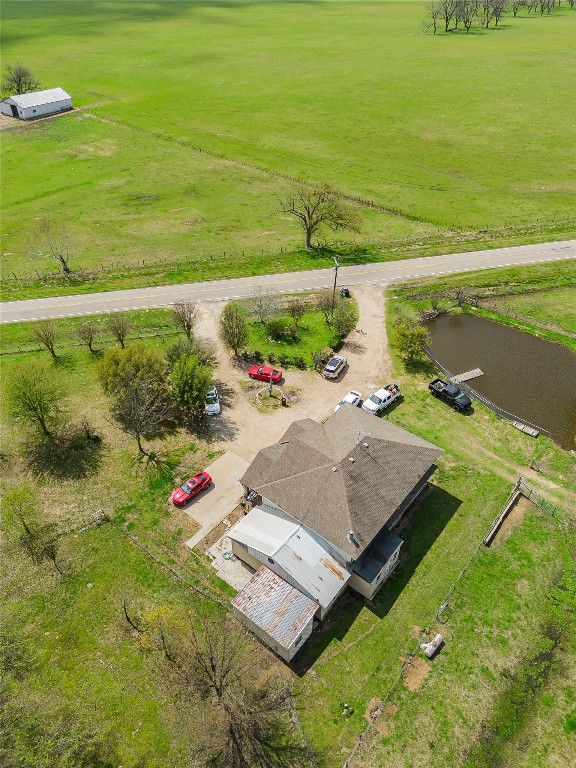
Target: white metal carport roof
x: 37, y: 98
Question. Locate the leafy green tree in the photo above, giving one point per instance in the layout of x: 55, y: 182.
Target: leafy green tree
x: 123, y: 368
x: 234, y: 327
x: 412, y: 337
x: 190, y: 381
x: 343, y: 318
x: 35, y: 396
x: 317, y: 207
x: 18, y: 79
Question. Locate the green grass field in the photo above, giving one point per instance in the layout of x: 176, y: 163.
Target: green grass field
x: 460, y: 131
x: 354, y: 658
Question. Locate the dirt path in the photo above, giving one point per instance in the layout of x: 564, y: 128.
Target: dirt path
x: 244, y: 430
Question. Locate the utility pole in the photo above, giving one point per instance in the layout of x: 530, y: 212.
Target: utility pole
x: 335, y: 279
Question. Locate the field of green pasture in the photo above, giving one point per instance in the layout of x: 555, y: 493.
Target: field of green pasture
x: 456, y: 132
x: 84, y: 652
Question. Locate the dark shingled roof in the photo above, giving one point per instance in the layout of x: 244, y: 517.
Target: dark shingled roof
x: 298, y: 475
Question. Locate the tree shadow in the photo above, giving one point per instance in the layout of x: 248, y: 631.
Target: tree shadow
x: 69, y: 455
x: 420, y: 527
x: 64, y: 361
x: 423, y: 367
x: 354, y: 347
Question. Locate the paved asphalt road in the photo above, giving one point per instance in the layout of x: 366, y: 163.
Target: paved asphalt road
x: 382, y: 273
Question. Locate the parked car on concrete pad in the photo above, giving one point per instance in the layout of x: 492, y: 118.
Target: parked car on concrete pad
x: 212, y: 402
x: 381, y: 399
x: 265, y: 373
x: 191, y: 488
x: 352, y: 398
x: 334, y: 367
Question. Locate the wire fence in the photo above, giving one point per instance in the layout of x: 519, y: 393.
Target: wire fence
x: 474, y: 394
x: 526, y: 490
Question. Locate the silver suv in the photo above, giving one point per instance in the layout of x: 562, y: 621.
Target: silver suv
x: 334, y: 367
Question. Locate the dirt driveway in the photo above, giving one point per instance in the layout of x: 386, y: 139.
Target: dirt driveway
x: 244, y: 430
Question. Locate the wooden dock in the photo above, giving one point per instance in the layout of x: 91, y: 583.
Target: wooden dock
x: 466, y: 376
x: 525, y: 428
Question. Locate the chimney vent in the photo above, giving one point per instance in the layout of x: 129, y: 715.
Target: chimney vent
x: 365, y: 445
x: 351, y: 459
x: 334, y: 469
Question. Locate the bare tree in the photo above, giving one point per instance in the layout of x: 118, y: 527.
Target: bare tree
x: 17, y: 79
x: 52, y: 243
x: 119, y: 326
x: 22, y: 520
x: 142, y: 409
x: 466, y: 12
x: 87, y: 333
x: 46, y: 333
x: 263, y: 303
x: 249, y: 723
x: 296, y: 308
x: 185, y: 314
x: 325, y: 304
x: 319, y: 207
x: 234, y: 327
x: 515, y: 6
x: 499, y: 6
x: 434, y: 13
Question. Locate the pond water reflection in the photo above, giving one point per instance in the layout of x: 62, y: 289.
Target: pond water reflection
x: 530, y: 377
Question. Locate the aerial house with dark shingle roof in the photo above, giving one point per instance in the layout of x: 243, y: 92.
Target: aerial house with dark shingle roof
x: 324, y: 500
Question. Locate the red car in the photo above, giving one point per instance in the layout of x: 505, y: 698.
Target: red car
x: 264, y: 372
x: 190, y: 488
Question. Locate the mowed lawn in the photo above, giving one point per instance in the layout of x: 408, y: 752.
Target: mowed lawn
x: 462, y: 131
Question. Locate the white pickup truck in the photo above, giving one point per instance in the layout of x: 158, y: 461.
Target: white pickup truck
x: 381, y: 399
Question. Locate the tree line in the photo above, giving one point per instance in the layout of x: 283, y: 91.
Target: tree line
x: 455, y: 15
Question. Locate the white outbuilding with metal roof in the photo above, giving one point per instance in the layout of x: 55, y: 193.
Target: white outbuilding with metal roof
x: 27, y: 106
x: 292, y: 551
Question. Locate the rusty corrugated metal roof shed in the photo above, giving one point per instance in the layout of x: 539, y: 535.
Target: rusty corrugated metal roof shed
x: 276, y: 607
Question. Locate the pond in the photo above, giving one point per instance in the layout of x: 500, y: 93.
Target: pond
x: 532, y: 378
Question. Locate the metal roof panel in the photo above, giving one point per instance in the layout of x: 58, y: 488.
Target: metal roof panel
x: 276, y: 607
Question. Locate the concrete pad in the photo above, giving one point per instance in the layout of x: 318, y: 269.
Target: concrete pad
x: 212, y: 506
x: 229, y: 567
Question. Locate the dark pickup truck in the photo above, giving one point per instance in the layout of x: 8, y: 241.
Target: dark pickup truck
x: 451, y: 394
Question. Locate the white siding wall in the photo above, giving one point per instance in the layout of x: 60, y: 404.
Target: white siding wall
x: 368, y: 590
x: 46, y: 109
x: 285, y: 653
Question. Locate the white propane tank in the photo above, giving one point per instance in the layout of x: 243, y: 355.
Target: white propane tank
x: 431, y: 647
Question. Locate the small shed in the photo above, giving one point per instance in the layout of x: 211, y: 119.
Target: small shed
x: 276, y: 612
x: 28, y: 106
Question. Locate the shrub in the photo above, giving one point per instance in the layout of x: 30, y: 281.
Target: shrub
x: 278, y: 328
x: 271, y: 358
x: 258, y: 356
x: 299, y: 362
x: 284, y: 359
x: 321, y: 357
